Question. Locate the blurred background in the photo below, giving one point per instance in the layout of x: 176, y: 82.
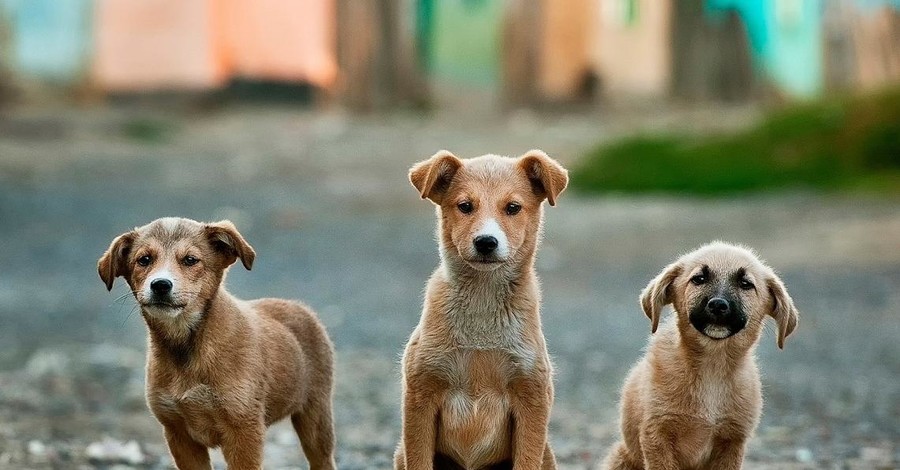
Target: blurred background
x: 774, y: 123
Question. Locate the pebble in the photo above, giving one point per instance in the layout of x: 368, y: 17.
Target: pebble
x: 113, y: 451
x: 804, y: 455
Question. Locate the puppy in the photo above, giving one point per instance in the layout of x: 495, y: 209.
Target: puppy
x: 477, y: 388
x: 694, y: 400
x: 219, y: 369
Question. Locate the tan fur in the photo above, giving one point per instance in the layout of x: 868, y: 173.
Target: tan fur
x: 692, y: 401
x: 477, y: 385
x: 219, y: 369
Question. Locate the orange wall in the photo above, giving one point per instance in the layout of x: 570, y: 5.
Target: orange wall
x: 194, y: 44
x: 633, y: 58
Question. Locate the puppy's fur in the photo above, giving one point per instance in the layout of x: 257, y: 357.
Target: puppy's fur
x: 477, y: 388
x: 694, y: 400
x: 219, y: 369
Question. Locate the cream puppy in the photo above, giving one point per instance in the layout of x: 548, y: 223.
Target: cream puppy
x: 694, y: 399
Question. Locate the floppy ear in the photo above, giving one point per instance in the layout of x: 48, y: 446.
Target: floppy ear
x: 113, y: 262
x: 548, y: 178
x: 432, y: 177
x: 658, y: 294
x: 227, y: 240
x: 783, y: 310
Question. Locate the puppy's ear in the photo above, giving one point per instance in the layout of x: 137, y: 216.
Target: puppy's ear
x: 228, y: 241
x: 659, y: 293
x: 432, y: 177
x: 548, y: 178
x: 783, y: 310
x: 114, y: 263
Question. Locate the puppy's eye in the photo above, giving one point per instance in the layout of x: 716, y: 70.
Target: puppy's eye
x: 513, y: 208
x: 144, y: 260
x: 465, y: 207
x: 698, y: 280
x: 746, y: 285
x: 189, y: 261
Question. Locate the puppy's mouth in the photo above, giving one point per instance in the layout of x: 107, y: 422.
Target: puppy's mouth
x: 162, y: 305
x: 718, y: 330
x: 484, y: 263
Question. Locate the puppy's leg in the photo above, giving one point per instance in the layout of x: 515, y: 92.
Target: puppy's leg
x: 187, y: 453
x: 531, y: 414
x: 316, y: 431
x: 419, y: 430
x: 549, y: 459
x: 620, y: 459
x: 399, y: 458
x: 728, y: 454
x: 242, y: 445
x: 657, y: 445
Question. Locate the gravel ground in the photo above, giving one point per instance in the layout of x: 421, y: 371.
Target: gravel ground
x: 324, y: 200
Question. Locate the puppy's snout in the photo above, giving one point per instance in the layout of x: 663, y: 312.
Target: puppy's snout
x: 161, y: 286
x: 485, y: 244
x: 718, y: 306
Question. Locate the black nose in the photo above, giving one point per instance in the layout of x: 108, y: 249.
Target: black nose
x: 161, y: 286
x: 717, y: 306
x: 485, y: 244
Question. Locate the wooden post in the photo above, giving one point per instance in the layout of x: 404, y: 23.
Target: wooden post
x: 6, y: 74
x: 377, y: 55
x: 709, y: 61
x: 519, y: 52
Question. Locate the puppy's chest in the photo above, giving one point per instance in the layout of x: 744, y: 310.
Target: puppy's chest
x: 476, y: 405
x: 484, y: 324
x: 198, y: 407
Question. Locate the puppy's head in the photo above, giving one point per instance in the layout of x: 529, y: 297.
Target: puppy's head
x: 721, y: 292
x: 489, y: 207
x: 174, y: 266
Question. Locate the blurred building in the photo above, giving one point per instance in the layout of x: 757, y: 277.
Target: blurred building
x: 379, y: 53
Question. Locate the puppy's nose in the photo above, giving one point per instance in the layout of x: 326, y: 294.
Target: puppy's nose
x: 717, y: 306
x: 485, y: 244
x: 161, y: 286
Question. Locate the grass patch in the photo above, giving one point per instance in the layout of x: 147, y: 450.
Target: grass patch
x: 849, y: 144
x: 149, y: 131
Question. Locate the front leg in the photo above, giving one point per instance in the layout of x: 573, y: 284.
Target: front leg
x: 658, y: 445
x: 420, y: 412
x: 727, y: 454
x: 187, y: 453
x: 242, y: 444
x: 532, y: 399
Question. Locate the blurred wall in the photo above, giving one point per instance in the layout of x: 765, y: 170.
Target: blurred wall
x: 157, y: 44
x: 785, y: 38
x: 279, y: 40
x: 196, y: 44
x: 566, y: 52
x: 49, y: 40
x: 632, y: 52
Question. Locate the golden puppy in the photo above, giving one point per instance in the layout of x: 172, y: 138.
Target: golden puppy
x: 477, y: 388
x: 694, y: 400
x: 219, y: 369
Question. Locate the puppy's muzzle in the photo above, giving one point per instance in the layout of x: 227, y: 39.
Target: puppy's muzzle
x: 485, y: 245
x: 718, y: 307
x: 162, y: 294
x: 718, y: 318
x: 161, y: 287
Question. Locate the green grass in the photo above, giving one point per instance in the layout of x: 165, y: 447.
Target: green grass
x: 148, y: 131
x: 849, y: 144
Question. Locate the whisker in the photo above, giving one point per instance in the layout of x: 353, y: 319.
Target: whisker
x: 127, y: 317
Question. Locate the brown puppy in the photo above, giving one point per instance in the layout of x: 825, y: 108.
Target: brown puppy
x: 219, y: 369
x: 477, y: 388
x: 694, y: 400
